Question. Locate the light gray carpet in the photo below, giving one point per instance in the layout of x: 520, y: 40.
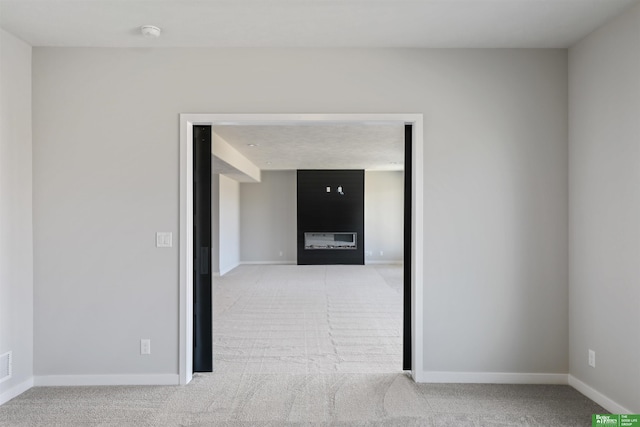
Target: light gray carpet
x: 305, y: 346
x: 309, y: 319
x: 302, y: 399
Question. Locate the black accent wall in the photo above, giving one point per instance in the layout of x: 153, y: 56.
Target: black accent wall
x: 320, y: 211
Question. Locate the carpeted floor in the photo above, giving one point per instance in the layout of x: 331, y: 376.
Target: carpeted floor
x: 302, y: 399
x: 305, y: 346
x: 309, y: 319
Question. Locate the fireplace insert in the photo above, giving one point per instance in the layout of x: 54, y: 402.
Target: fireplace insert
x: 325, y: 240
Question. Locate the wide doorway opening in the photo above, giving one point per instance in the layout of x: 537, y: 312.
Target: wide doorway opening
x: 413, y: 126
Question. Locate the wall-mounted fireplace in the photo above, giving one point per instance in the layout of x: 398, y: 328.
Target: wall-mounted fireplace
x: 321, y: 241
x: 330, y: 217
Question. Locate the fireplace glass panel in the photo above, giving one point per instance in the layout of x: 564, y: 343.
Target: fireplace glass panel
x: 313, y: 241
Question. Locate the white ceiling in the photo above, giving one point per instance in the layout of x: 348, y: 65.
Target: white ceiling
x: 311, y: 23
x: 327, y: 146
x: 308, y: 23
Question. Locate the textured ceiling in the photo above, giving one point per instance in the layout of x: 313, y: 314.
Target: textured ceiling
x: 327, y: 146
x: 308, y: 23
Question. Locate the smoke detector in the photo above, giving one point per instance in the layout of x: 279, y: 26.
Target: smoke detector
x: 150, y: 31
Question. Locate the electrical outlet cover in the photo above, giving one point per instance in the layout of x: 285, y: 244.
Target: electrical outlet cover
x: 164, y: 239
x: 145, y: 346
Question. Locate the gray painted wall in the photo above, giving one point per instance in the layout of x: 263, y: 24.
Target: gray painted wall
x: 495, y: 191
x: 229, y: 217
x: 268, y: 218
x: 215, y: 222
x: 16, y: 230
x: 604, y: 143
x: 383, y: 216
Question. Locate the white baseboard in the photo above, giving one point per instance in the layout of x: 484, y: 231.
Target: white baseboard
x: 490, y: 378
x: 84, y: 380
x: 16, y: 391
x: 268, y: 262
x: 383, y: 262
x: 367, y: 262
x: 593, y: 394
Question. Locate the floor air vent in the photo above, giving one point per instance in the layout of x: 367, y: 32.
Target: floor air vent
x: 5, y: 366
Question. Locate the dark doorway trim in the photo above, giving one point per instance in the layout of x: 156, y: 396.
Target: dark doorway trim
x: 406, y: 315
x: 202, y: 274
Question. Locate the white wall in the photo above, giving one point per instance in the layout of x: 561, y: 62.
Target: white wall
x: 106, y: 178
x: 495, y: 218
x: 383, y: 216
x: 229, y: 217
x: 16, y: 229
x: 268, y: 219
x: 215, y: 222
x: 604, y: 143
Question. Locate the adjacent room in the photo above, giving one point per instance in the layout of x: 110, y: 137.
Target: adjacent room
x: 292, y: 298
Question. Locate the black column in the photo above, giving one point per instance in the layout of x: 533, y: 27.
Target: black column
x: 202, y: 310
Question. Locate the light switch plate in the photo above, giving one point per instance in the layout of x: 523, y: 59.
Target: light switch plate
x: 164, y: 239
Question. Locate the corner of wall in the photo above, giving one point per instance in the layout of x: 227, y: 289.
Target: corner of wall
x: 593, y: 394
x: 16, y: 390
x: 16, y: 213
x: 604, y: 205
